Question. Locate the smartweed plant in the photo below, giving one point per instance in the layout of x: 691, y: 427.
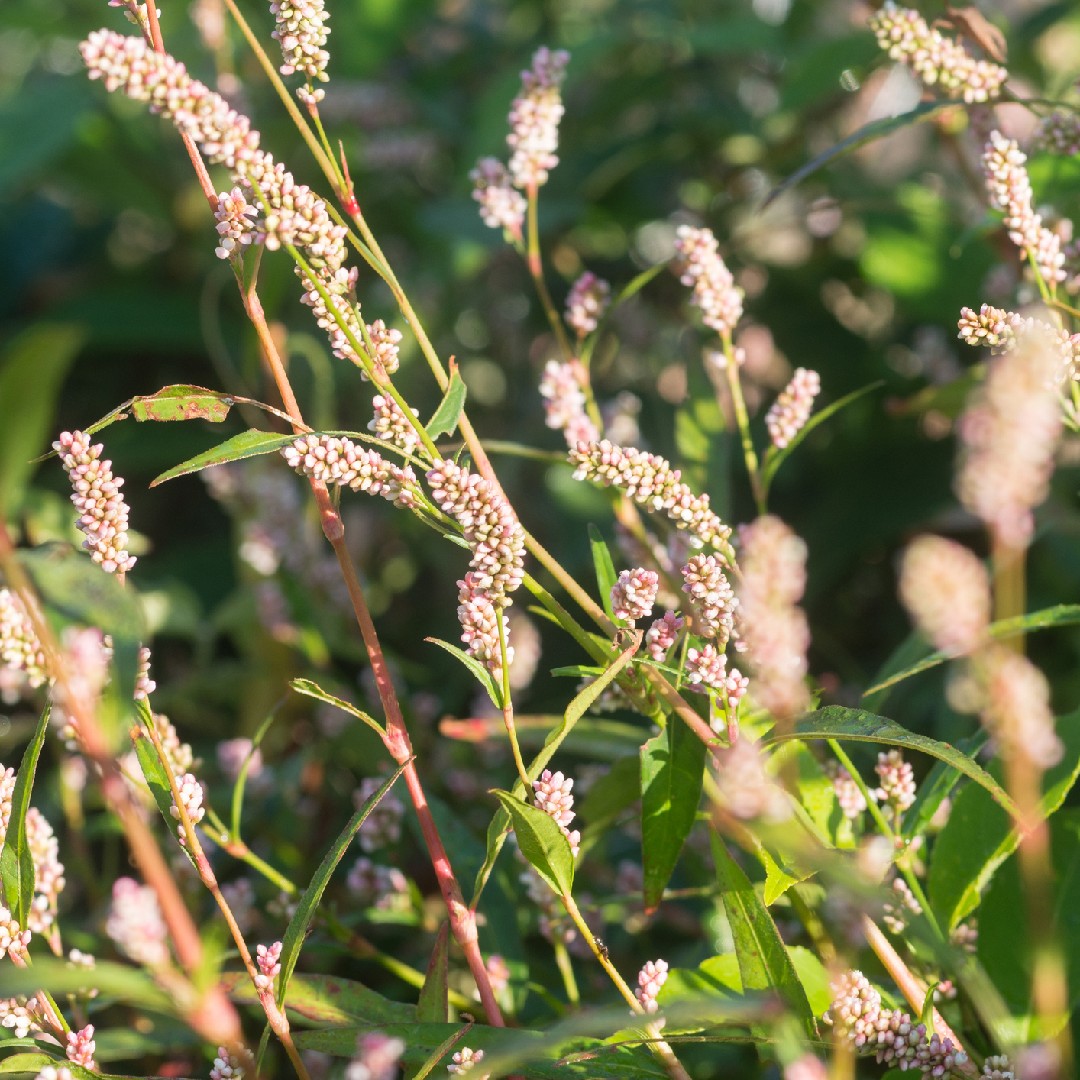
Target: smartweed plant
x: 738, y: 896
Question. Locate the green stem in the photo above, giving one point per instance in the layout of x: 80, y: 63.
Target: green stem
x: 731, y: 370
x: 535, y: 264
x: 566, y: 970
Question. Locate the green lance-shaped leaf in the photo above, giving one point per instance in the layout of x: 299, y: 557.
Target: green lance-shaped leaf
x: 182, y: 402
x: 479, y: 671
x: 979, y: 836
x: 118, y: 982
x: 248, y: 444
x: 605, y: 568
x: 541, y: 842
x: 309, y: 902
x: 314, y: 690
x: 672, y: 768
x: 837, y: 722
x: 16, y: 858
x: 764, y: 963
x: 155, y: 774
x: 450, y: 408
x: 433, y: 1005
x: 1003, y: 630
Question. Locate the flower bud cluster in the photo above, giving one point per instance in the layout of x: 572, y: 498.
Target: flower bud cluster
x: 49, y: 880
x: 1008, y: 433
x: 489, y: 525
x: 891, y: 1036
x: 376, y: 1058
x: 534, y: 119
x: 711, y: 596
x: 773, y: 629
x: 900, y: 907
x: 634, y: 594
x: 998, y: 1067
x: 788, y: 414
x: 553, y: 793
x: 946, y: 590
x: 702, y: 269
x: 81, y: 1046
x: 190, y: 797
x: 103, y: 514
x: 897, y: 780
x: 502, y: 206
x: 1058, y: 133
x: 135, y: 923
x: 1016, y: 710
x: 235, y: 222
x: 465, y: 1062
x: 849, y: 796
x: 651, y: 482
x: 937, y: 60
x: 747, y: 788
x: 268, y: 961
x: 564, y: 401
x: 586, y: 303
x: 662, y: 635
x: 20, y: 1016
x: 19, y: 647
x: 228, y: 1066
x: 13, y: 938
x: 650, y: 979
x: 342, y: 463
x: 392, y: 425
x: 706, y: 667
x: 302, y: 33
x: 1009, y: 189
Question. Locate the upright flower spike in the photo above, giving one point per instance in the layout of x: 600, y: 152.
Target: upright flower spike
x: 502, y: 206
x: 561, y: 387
x: 711, y: 596
x: 1008, y: 434
x: 1009, y: 189
x: 534, y: 119
x: 936, y: 59
x: 897, y: 780
x: 267, y: 959
x: 103, y: 514
x: 789, y: 412
x: 586, y: 303
x: 702, y: 269
x: 135, y: 923
x: 1016, y: 711
x: 946, y: 590
x: 302, y: 33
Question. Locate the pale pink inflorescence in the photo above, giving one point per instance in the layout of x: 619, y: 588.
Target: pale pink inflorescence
x: 937, y: 60
x: 746, y: 787
x: 1009, y: 189
x: 81, y: 1046
x: 891, y: 1036
x: 711, y: 596
x: 553, y: 793
x: 268, y: 962
x: 229, y: 1066
x: 897, y: 781
x: 534, y: 118
x: 376, y: 1058
x: 1058, y: 133
x: 900, y: 906
x: 135, y: 923
x: 21, y: 1016
x: 13, y: 938
x: 502, y: 206
x: 773, y: 629
x: 19, y: 646
x: 789, y: 412
x: 586, y: 303
x: 190, y: 797
x: 702, y: 269
x: 1016, y: 711
x: 849, y: 797
x: 998, y: 1067
x: 634, y: 594
x: 564, y: 401
x: 1008, y: 434
x: 946, y: 590
x: 235, y: 222
x: 103, y: 514
x: 650, y: 979
x: 302, y: 33
x: 662, y: 635
x: 651, y: 482
x: 465, y: 1062
x: 706, y: 668
x: 392, y: 425
x: 340, y: 462
x: 55, y: 1072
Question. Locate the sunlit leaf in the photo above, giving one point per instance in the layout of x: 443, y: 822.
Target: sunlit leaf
x: 541, y: 842
x: 314, y: 690
x: 450, y: 408
x: 247, y: 444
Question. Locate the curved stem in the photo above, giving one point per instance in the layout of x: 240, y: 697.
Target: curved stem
x: 731, y: 370
x: 536, y: 272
